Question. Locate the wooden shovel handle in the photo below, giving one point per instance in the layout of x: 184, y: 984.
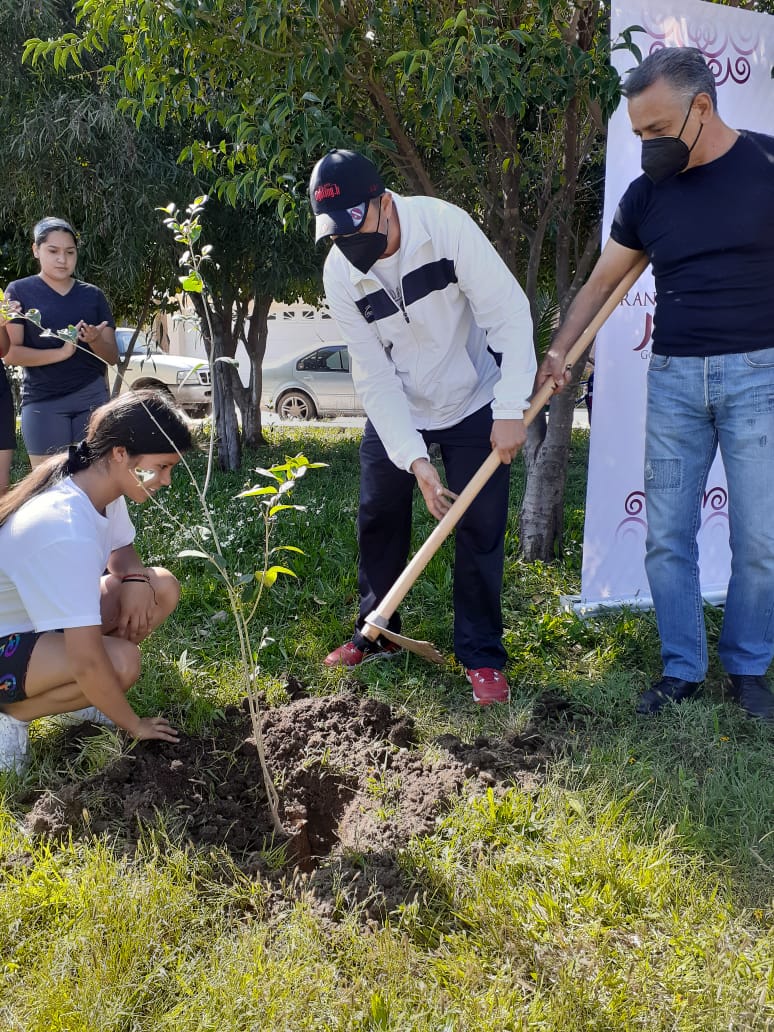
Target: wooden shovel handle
x: 403, y: 584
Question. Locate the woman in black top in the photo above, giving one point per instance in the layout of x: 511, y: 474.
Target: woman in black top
x: 63, y: 383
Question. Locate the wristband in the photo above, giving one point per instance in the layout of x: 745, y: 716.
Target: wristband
x: 140, y: 578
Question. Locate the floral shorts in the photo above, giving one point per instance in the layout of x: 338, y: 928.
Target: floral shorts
x: 15, y: 652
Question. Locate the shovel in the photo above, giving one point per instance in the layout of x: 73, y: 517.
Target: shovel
x: 376, y: 622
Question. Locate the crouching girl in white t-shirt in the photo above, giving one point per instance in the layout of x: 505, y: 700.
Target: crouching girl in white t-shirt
x: 69, y: 631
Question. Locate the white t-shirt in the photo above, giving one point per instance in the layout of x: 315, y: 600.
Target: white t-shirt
x: 53, y: 552
x: 387, y: 271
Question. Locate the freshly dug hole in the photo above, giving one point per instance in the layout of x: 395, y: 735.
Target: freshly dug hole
x: 352, y: 785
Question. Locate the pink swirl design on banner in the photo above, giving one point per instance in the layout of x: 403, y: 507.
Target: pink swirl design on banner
x: 716, y: 498
x: 739, y: 71
x: 633, y: 524
x: 707, y: 37
x: 634, y: 503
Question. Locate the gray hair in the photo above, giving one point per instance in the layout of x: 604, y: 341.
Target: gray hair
x: 684, y: 69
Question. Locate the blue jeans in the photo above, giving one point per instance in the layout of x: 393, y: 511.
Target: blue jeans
x: 696, y: 405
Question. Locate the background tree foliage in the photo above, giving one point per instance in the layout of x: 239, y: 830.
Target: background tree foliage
x: 68, y: 148
x: 255, y: 262
x: 499, y: 107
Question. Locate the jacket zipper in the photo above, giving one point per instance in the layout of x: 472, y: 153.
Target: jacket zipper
x: 400, y: 298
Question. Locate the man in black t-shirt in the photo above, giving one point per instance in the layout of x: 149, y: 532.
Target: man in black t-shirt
x: 703, y: 212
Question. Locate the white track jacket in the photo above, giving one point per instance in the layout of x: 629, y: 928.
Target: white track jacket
x: 424, y: 361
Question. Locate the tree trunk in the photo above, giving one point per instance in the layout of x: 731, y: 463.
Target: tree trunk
x: 547, y: 452
x: 255, y: 345
x: 219, y: 345
x: 546, y: 456
x: 224, y: 402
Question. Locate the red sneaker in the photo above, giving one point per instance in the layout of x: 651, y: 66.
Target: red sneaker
x: 350, y: 655
x: 488, y: 686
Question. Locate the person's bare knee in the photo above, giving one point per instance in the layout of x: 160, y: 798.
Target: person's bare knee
x: 110, y: 602
x: 126, y: 660
x: 167, y: 588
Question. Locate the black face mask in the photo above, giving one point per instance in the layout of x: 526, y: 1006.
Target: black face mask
x: 363, y: 249
x: 666, y: 156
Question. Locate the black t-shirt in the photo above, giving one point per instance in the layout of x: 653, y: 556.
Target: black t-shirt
x: 82, y: 301
x: 709, y: 234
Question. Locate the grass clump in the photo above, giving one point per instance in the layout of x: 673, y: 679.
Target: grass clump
x: 548, y: 912
x: 633, y: 891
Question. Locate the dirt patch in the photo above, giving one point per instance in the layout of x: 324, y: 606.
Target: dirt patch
x: 352, y: 781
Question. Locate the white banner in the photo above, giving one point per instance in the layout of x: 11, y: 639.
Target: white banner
x: 739, y: 47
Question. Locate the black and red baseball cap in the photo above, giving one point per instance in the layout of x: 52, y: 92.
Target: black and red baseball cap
x: 342, y: 184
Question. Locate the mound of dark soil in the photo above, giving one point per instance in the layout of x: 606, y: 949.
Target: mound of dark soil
x: 353, y: 787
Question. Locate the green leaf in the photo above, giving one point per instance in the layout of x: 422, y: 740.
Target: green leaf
x: 253, y: 492
x: 192, y: 283
x: 269, y: 577
x: 279, y: 508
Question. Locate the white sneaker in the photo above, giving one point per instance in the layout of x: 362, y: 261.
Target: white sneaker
x: 80, y: 716
x: 14, y: 739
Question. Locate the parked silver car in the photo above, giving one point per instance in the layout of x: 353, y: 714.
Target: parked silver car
x: 314, y: 383
x: 185, y: 379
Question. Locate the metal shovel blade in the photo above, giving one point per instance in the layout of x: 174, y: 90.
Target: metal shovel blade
x: 425, y: 649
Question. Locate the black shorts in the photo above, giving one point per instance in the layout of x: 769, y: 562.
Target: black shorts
x: 7, y: 420
x: 15, y: 652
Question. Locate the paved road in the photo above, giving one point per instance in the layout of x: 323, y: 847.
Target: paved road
x: 580, y: 419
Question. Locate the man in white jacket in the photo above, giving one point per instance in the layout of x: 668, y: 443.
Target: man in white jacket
x: 440, y: 342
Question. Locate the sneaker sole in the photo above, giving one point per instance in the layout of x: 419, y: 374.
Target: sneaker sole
x: 490, y: 702
x: 65, y: 721
x: 371, y: 656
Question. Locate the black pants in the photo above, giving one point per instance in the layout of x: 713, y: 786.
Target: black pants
x: 384, y: 535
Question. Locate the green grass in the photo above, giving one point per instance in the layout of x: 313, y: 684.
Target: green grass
x: 632, y: 892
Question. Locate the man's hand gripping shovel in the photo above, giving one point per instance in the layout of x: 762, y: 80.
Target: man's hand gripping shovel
x: 376, y: 622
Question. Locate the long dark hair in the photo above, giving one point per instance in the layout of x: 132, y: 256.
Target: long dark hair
x: 144, y: 422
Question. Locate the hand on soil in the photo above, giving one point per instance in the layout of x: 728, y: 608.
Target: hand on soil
x: 156, y: 727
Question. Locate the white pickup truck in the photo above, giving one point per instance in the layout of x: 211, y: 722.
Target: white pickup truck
x: 186, y: 380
